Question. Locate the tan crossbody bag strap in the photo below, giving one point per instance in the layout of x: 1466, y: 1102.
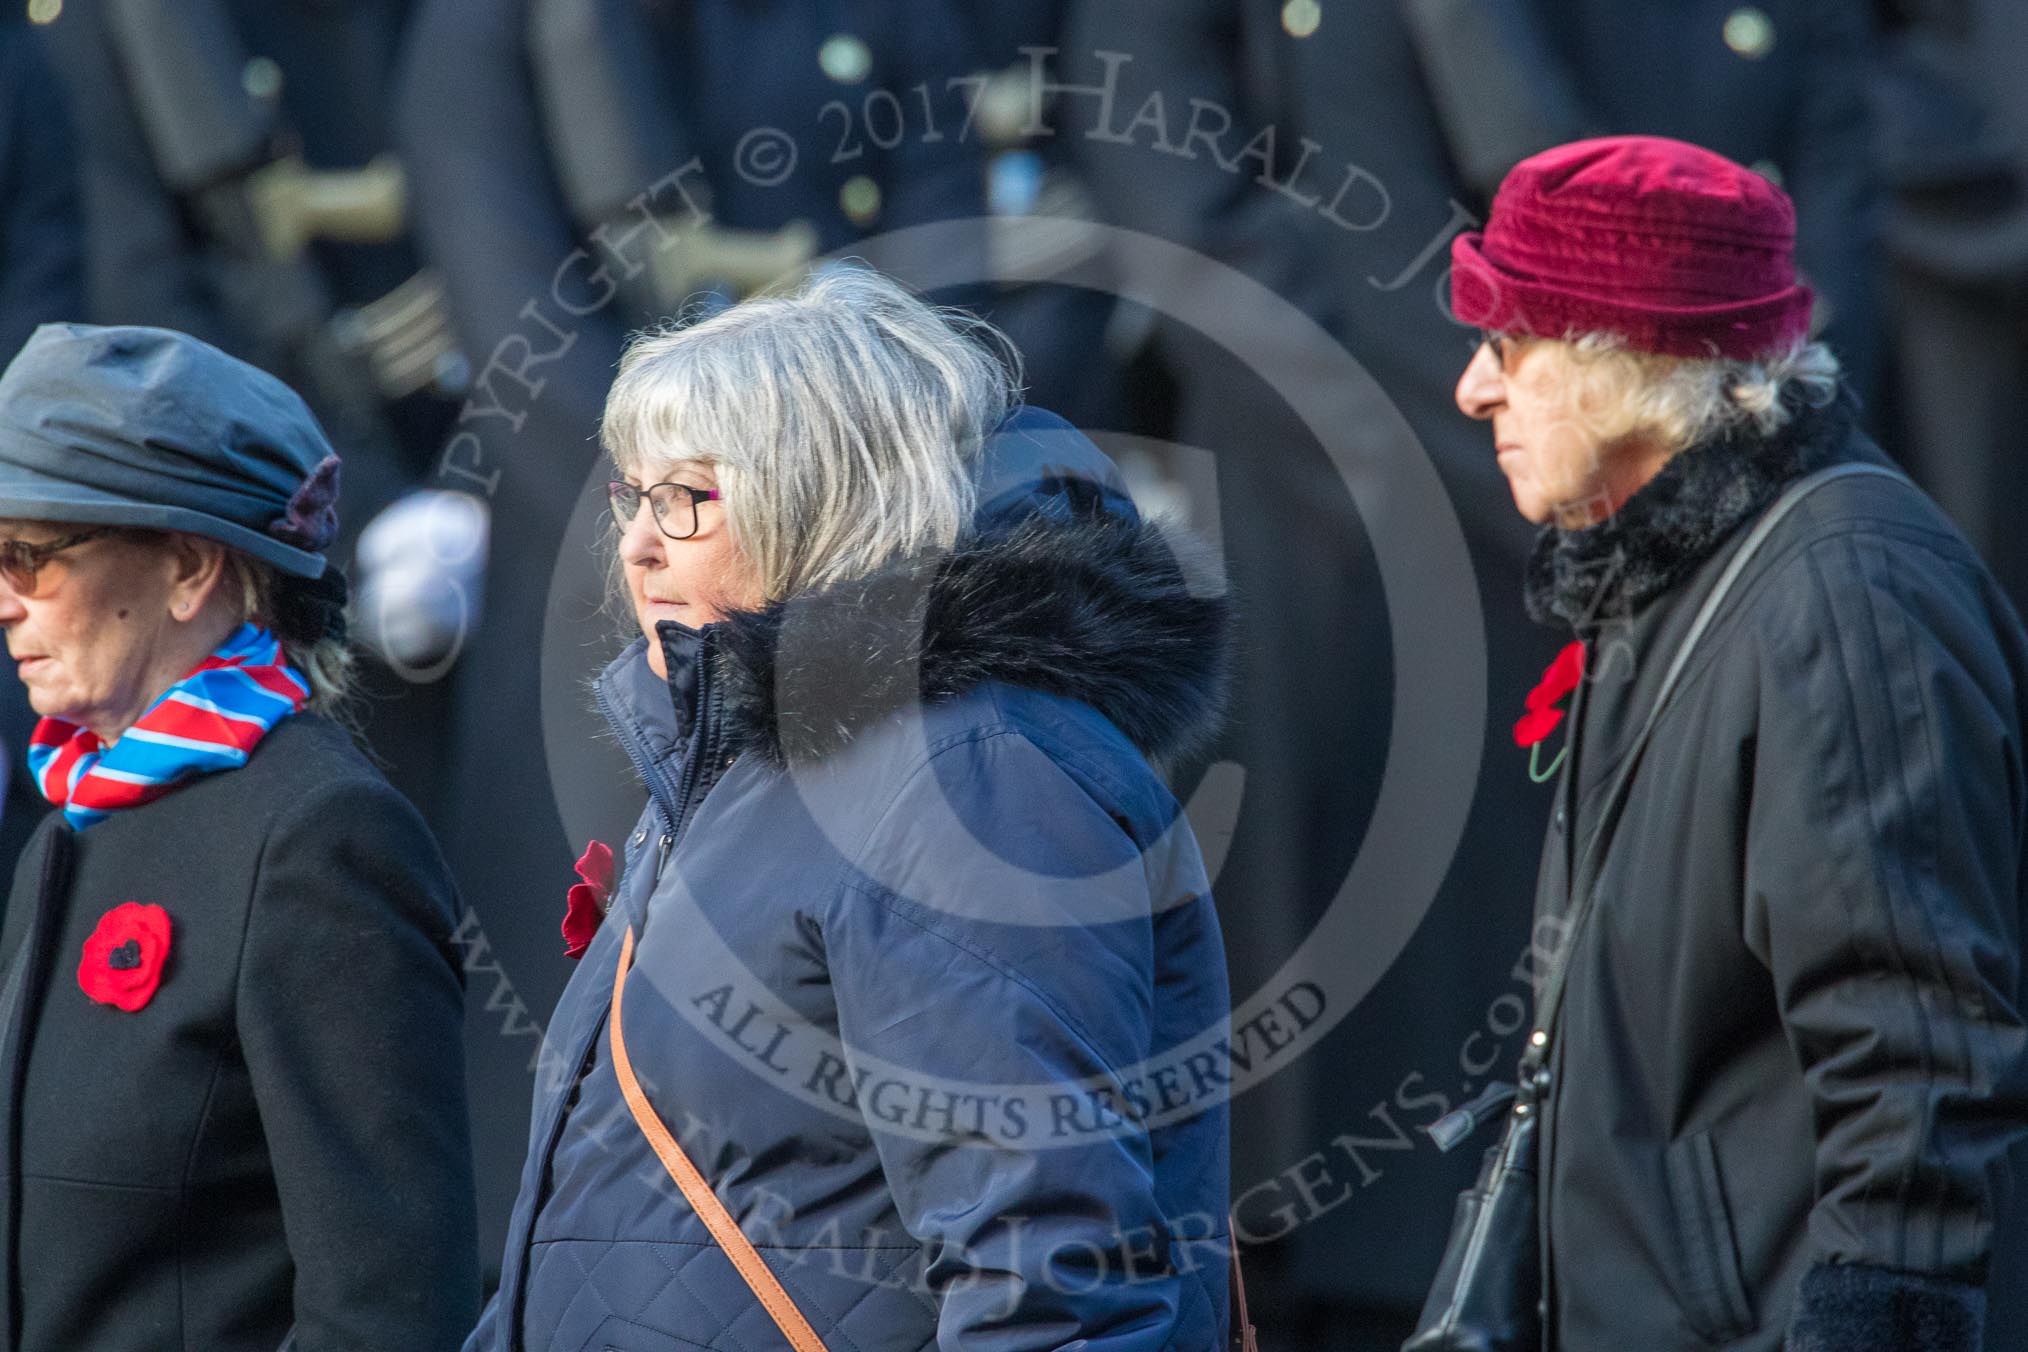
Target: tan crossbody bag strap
x: 766, y: 1287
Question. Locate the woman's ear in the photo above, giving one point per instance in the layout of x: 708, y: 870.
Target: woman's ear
x: 197, y: 574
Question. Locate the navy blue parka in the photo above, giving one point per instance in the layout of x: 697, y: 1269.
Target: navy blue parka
x: 924, y: 942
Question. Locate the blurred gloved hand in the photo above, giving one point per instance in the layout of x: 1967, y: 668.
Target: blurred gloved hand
x: 419, y: 571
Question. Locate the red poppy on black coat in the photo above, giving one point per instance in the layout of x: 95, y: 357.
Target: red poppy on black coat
x: 124, y: 957
x: 1559, y: 680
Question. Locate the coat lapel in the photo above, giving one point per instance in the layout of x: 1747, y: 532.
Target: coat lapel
x: 26, y: 981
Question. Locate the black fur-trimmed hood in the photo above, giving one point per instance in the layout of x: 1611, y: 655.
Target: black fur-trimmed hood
x: 1097, y: 608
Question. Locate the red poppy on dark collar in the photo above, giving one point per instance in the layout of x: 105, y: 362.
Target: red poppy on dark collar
x: 1559, y: 680
x: 585, y: 904
x: 124, y: 956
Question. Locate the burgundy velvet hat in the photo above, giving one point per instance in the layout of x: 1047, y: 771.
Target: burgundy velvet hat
x: 1674, y: 248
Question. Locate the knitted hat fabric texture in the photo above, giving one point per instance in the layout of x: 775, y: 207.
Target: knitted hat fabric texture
x: 1670, y: 247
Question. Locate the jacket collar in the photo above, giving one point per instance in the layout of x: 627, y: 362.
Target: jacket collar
x: 644, y: 720
x: 1087, y: 605
x: 1586, y: 579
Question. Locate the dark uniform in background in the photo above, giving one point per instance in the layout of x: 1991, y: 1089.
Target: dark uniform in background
x: 182, y: 217
x: 1065, y: 327
x: 41, y: 282
x: 1314, y: 701
x: 238, y: 185
x: 1780, y: 86
x: 1954, y: 151
x: 41, y: 260
x: 494, y: 99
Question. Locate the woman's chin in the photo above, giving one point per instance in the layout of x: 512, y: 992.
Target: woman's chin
x: 653, y: 613
x: 689, y: 614
x: 46, y: 701
x: 1529, y: 501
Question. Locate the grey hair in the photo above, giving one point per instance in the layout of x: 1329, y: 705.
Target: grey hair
x: 326, y: 662
x: 842, y: 419
x: 1685, y: 400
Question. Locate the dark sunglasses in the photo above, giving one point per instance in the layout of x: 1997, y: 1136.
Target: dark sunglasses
x: 20, y: 561
x: 674, y: 505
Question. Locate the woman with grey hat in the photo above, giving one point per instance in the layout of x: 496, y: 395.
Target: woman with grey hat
x: 232, y: 1106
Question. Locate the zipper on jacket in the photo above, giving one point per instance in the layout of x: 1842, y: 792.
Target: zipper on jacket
x: 672, y: 812
x: 701, y: 766
x: 650, y: 776
x: 701, y: 769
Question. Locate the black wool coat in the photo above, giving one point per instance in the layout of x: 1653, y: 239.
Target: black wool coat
x: 278, y: 1137
x: 1791, y: 1055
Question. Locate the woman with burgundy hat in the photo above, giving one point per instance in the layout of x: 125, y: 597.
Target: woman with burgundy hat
x: 1778, y: 1057
x: 232, y: 1105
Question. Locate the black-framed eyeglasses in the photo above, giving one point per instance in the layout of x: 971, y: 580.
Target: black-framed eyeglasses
x: 674, y: 505
x: 21, y: 561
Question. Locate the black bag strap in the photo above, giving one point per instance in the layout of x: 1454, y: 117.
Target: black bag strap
x: 1549, y: 1003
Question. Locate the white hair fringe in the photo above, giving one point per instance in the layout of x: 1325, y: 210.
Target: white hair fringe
x: 1685, y: 400
x: 842, y: 420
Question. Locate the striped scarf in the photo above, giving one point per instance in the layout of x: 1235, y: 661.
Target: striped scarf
x: 206, y: 722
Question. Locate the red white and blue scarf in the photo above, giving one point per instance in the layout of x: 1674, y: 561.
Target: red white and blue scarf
x: 210, y: 720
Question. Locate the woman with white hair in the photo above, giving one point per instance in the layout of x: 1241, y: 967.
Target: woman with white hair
x: 879, y: 1041
x: 1778, y: 1055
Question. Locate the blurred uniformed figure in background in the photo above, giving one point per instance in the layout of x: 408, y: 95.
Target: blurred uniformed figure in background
x: 41, y: 260
x: 41, y: 282
x: 1393, y: 121
x: 1954, y: 150
x: 581, y: 168
x: 1313, y: 701
x: 1780, y: 85
x: 239, y: 185
x: 1061, y: 325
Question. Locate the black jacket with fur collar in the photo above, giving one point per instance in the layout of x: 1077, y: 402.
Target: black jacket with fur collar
x: 1791, y: 1055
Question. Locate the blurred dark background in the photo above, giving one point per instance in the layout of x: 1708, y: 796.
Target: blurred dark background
x: 439, y: 219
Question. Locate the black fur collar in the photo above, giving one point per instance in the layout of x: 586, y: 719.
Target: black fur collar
x: 1095, y: 608
x: 1589, y: 578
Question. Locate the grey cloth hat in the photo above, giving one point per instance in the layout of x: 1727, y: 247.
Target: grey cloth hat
x: 136, y: 426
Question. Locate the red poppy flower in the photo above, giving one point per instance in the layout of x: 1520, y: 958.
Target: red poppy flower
x: 1559, y: 680
x: 585, y: 904
x: 1536, y: 725
x: 123, y: 958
